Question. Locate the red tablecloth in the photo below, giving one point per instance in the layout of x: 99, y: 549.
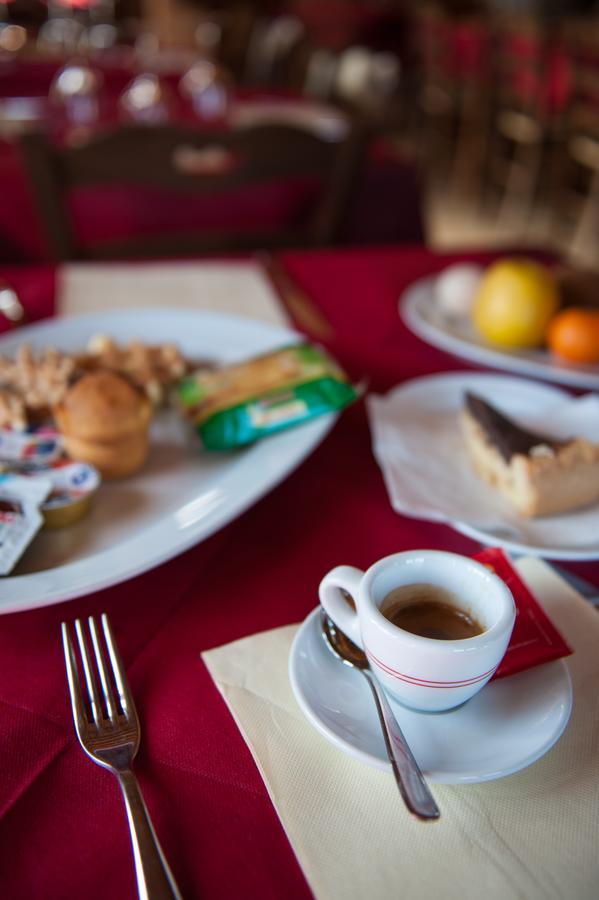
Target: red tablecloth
x: 63, y: 831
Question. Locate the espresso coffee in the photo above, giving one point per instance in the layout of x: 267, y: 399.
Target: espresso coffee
x: 429, y: 611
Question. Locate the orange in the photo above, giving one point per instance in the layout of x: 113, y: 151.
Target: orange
x: 574, y: 335
x: 514, y: 302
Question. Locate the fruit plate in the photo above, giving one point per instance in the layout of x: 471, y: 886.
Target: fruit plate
x: 183, y: 494
x: 421, y: 314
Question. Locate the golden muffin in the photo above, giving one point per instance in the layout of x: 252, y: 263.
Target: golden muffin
x: 104, y: 420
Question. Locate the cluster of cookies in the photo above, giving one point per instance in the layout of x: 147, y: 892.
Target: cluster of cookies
x: 102, y: 400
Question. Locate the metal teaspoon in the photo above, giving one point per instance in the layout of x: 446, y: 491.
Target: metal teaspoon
x: 409, y: 778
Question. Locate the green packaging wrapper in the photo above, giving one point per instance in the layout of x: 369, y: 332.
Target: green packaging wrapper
x: 237, y: 405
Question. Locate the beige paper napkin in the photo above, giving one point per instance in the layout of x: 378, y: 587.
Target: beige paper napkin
x: 530, y: 835
x: 240, y: 288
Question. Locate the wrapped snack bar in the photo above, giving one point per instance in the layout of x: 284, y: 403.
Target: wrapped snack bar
x: 236, y: 405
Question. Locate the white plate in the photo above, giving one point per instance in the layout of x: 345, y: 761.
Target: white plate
x: 510, y: 724
x: 420, y: 313
x: 183, y: 494
x: 571, y: 536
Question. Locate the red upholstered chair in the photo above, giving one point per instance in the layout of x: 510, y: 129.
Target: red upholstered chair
x: 187, y: 191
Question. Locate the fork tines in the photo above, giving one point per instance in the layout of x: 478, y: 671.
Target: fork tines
x: 108, y: 730
x: 105, y: 695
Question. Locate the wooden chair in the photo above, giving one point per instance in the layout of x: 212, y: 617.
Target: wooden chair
x: 581, y: 188
x: 452, y: 94
x: 187, y: 163
x: 435, y: 101
x: 528, y: 119
x: 471, y: 45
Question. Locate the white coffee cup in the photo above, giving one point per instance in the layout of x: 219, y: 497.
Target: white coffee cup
x: 424, y: 673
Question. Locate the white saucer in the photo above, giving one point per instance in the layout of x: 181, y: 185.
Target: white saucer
x: 510, y: 724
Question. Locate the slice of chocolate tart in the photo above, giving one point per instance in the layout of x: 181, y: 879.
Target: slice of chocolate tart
x: 538, y: 475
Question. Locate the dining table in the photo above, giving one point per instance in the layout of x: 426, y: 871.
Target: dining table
x: 63, y: 829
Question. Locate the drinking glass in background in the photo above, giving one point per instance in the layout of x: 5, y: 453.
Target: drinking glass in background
x: 12, y: 37
x: 206, y: 86
x: 78, y: 26
x: 101, y: 33
x: 61, y: 32
x: 208, y: 36
x: 146, y: 99
x: 150, y: 54
x: 75, y: 95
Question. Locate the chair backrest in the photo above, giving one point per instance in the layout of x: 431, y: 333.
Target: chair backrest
x: 196, y: 168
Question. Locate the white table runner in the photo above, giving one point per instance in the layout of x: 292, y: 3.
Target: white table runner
x: 239, y: 288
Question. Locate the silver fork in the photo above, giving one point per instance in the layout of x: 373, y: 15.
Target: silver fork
x: 107, y: 726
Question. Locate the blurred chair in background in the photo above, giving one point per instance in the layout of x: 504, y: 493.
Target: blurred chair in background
x: 267, y: 186
x: 433, y: 103
x: 453, y: 98
x: 582, y: 146
x: 530, y: 113
x: 473, y: 98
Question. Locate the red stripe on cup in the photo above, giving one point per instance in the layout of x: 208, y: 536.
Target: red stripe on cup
x: 423, y: 682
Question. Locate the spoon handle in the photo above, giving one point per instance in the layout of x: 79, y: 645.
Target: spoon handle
x: 409, y: 778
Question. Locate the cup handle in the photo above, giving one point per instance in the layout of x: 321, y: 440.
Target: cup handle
x: 342, y: 578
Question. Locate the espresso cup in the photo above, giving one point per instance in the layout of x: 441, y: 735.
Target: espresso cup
x: 424, y: 673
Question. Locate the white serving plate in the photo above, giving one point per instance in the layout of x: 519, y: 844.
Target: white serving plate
x: 570, y: 536
x: 183, y: 494
x: 509, y: 725
x: 420, y: 312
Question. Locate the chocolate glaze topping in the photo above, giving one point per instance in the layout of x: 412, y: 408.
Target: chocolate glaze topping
x: 503, y: 433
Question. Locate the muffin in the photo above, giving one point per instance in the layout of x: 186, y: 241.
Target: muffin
x: 104, y: 420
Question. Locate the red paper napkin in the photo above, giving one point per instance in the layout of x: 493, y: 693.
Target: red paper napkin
x: 535, y: 639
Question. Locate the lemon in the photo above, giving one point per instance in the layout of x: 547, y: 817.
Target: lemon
x: 514, y: 303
